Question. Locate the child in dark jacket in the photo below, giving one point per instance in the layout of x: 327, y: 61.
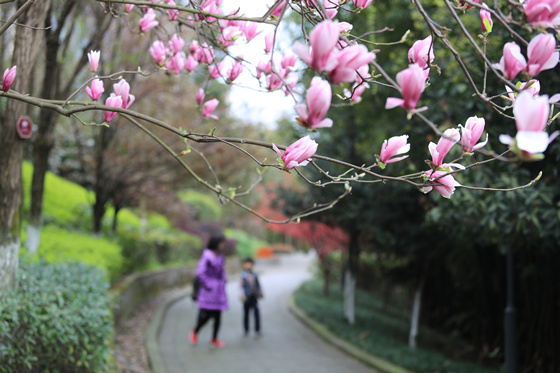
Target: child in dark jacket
x: 251, y: 292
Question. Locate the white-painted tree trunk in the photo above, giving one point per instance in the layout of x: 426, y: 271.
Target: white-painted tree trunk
x: 349, y: 297
x: 9, y: 252
x: 33, y: 238
x: 415, y: 317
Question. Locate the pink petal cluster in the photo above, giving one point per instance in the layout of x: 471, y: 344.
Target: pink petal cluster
x: 128, y: 8
x: 422, y: 52
x: 279, y: 9
x: 202, y: 53
x: 176, y: 63
x: 445, y: 143
x: 148, y: 21
x: 122, y: 89
x: 251, y: 30
x: 512, y: 61
x: 93, y: 58
x: 486, y: 23
x: 173, y: 13
x: 323, y: 39
x: 114, y: 101
x: 200, y: 95
x: 533, y: 86
x: 542, y: 54
x: 215, y: 70
x: 394, y: 146
x: 176, y: 43
x: 208, y: 108
x: 412, y: 82
x: 362, y: 4
x: 298, y: 153
x: 96, y: 89
x: 471, y: 133
x: 268, y: 42
x: 349, y: 60
x: 531, y: 117
x: 318, y: 102
x: 8, y: 78
x: 543, y: 13
x: 159, y: 52
x: 235, y: 70
x: 443, y: 183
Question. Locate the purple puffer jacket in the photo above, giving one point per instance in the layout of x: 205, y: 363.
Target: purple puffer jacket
x: 212, y: 275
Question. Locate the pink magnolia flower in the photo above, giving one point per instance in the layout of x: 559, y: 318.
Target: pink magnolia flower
x: 96, y: 89
x: 323, y: 39
x: 263, y: 67
x: 541, y: 54
x: 274, y: 80
x: 173, y: 13
x: 215, y: 70
x: 298, y: 153
x: 444, y: 185
x: 422, y: 53
x: 203, y: 53
x: 362, y: 4
x: 412, y: 83
x: 531, y: 118
x: 471, y: 134
x: 318, y: 102
x: 159, y: 52
x: 279, y: 9
x: 191, y: 63
x: 344, y: 27
x: 288, y: 61
x: 176, y: 43
x: 543, y: 13
x: 209, y: 107
x: 439, y: 151
x: 200, y: 96
x: 331, y: 6
x: 8, y: 78
x: 394, y: 146
x: 349, y: 60
x: 512, y: 62
x: 268, y: 42
x: 230, y: 35
x: 128, y: 8
x: 114, y: 101
x: 533, y: 86
x: 122, y: 89
x: 486, y: 19
x: 93, y: 58
x: 148, y: 22
x: 251, y: 30
x: 235, y: 70
x: 176, y: 63
x: 290, y: 82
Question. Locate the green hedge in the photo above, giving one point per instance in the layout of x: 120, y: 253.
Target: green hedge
x: 205, y: 207
x: 60, y: 245
x: 247, y: 245
x: 57, y: 320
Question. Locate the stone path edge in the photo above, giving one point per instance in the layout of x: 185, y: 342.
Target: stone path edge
x: 152, y: 334
x: 322, y: 331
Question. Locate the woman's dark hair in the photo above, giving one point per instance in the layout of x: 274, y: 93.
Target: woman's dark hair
x: 215, y: 241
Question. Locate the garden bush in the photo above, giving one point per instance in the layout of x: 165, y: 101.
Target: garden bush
x: 60, y: 245
x: 205, y: 207
x: 247, y: 245
x: 58, y: 319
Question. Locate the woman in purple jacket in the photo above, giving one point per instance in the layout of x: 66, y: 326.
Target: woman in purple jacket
x: 212, y: 298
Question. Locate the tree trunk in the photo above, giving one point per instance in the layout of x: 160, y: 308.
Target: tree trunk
x: 102, y: 185
x: 11, y: 189
x: 350, y: 277
x: 415, y: 317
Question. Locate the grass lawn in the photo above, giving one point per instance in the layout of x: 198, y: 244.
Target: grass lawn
x: 383, y: 333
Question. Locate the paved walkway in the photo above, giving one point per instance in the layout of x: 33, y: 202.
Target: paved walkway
x: 287, y: 346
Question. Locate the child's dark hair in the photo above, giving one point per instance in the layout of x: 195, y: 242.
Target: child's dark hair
x: 249, y: 260
x: 214, y: 242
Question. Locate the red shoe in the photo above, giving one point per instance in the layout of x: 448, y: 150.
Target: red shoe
x: 217, y: 343
x: 193, y: 337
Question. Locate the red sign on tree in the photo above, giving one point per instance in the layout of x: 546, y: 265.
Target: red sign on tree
x: 24, y: 127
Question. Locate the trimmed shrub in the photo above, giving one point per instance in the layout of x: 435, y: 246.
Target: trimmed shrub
x: 247, y: 245
x: 58, y: 319
x: 205, y: 207
x: 60, y: 245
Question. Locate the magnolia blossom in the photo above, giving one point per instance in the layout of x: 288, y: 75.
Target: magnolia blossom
x: 268, y: 42
x: 422, y: 53
x: 114, y: 101
x: 215, y: 70
x: 176, y: 43
x: 235, y: 70
x: 8, y: 78
x: 288, y: 61
x: 362, y: 4
x: 533, y: 86
x: 128, y: 8
x: 173, y: 13
x: 148, y: 22
x: 323, y: 39
x: 96, y: 89
x: 445, y: 143
x: 471, y: 134
x: 274, y: 80
x: 349, y: 60
x: 543, y: 13
x: 344, y: 27
x: 394, y: 146
x: 442, y: 183
x: 209, y: 107
x: 541, y: 54
x: 318, y: 102
x: 512, y: 62
x: 298, y: 153
x: 412, y: 83
x: 230, y: 35
x: 279, y: 9
x: 200, y: 96
x: 251, y: 30
x: 176, y: 63
x: 531, y: 118
x: 485, y: 19
x: 331, y: 6
x: 93, y: 58
x: 264, y: 67
x: 159, y: 52
x: 122, y: 89
x: 191, y: 63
